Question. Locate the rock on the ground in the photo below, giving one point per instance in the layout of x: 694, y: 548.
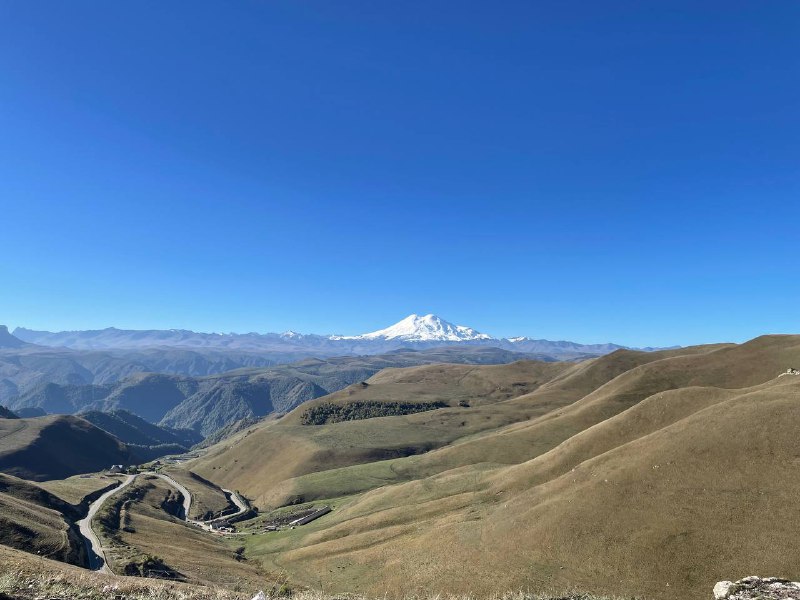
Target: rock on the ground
x: 752, y: 588
x: 721, y: 589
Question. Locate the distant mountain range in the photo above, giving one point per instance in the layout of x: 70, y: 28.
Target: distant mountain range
x: 206, y: 404
x: 176, y: 376
x: 415, y: 331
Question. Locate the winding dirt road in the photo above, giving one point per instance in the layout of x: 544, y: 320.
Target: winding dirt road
x: 97, y: 557
x: 187, y: 495
x: 238, y: 501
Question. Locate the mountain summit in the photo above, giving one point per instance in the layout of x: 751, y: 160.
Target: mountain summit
x: 428, y: 328
x: 415, y: 330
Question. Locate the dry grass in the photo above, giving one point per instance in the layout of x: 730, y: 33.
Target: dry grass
x: 33, y: 519
x: 347, y: 458
x: 651, y: 474
x: 259, y: 465
x: 75, y: 489
x: 26, y: 577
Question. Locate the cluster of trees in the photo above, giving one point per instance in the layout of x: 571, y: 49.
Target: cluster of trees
x: 329, y: 412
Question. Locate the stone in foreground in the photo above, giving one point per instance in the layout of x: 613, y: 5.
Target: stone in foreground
x: 752, y: 588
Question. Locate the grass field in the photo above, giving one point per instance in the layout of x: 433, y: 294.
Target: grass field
x: 649, y: 474
x: 33, y: 519
x: 74, y: 489
x: 26, y: 577
x: 257, y: 461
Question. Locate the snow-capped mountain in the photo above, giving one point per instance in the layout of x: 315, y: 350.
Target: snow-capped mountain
x: 417, y: 328
x: 289, y: 335
x: 415, y: 331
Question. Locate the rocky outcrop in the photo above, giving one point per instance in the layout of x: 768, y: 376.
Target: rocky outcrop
x: 752, y: 588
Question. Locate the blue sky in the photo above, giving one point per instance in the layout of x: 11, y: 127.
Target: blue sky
x: 595, y: 171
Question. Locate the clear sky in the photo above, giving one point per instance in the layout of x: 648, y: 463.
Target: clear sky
x: 619, y: 171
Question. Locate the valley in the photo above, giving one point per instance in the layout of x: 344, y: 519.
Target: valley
x: 206, y: 404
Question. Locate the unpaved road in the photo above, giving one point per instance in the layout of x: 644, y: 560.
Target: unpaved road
x: 187, y: 495
x: 97, y: 557
x: 238, y: 501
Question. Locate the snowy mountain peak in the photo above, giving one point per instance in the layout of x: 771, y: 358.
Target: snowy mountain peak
x: 427, y: 328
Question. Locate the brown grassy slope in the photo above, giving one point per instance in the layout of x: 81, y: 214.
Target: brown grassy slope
x: 284, y: 461
x: 35, y: 520
x: 56, y: 447
x: 257, y: 460
x: 449, y: 383
x: 666, y: 497
x: 75, y: 489
x: 612, y: 384
x: 26, y: 577
x: 197, y: 555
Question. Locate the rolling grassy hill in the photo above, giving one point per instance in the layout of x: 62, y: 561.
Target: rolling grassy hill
x: 55, y: 447
x: 354, y: 456
x: 38, y: 521
x: 266, y: 460
x: 651, y: 474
